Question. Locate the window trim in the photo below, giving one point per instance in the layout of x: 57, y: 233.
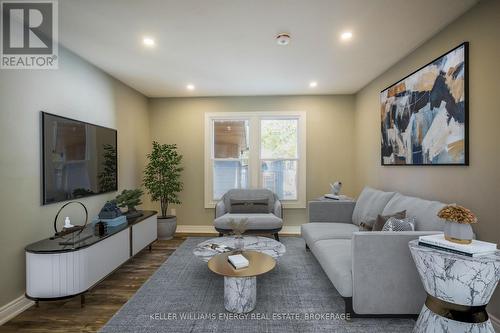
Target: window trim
x: 255, y: 177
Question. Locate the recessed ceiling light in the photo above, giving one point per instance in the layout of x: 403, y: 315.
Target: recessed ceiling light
x: 283, y: 39
x: 313, y: 84
x: 346, y: 35
x: 148, y: 41
x: 190, y: 87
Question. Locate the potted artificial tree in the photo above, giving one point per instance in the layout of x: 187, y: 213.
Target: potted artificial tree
x: 162, y: 179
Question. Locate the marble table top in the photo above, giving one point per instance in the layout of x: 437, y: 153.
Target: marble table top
x: 491, y: 257
x: 457, y: 278
x: 265, y: 245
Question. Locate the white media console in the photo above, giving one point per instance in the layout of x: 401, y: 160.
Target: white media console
x: 56, y: 270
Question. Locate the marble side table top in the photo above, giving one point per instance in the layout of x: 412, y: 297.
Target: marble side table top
x: 256, y: 243
x: 456, y: 278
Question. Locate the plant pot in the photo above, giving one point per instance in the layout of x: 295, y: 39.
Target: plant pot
x: 460, y: 233
x: 167, y: 227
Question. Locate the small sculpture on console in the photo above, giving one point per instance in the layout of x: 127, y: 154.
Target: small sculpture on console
x: 336, y: 187
x: 110, y: 211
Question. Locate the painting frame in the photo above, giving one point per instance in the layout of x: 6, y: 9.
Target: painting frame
x: 465, y: 162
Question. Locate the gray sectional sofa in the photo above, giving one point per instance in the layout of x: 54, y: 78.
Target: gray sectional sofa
x: 372, y: 270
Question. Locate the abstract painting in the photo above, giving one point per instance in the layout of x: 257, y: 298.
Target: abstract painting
x: 424, y: 116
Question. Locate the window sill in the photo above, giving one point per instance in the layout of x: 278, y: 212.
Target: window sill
x: 286, y: 205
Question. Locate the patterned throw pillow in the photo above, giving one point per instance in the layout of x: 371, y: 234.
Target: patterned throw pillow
x: 381, y: 219
x: 394, y: 224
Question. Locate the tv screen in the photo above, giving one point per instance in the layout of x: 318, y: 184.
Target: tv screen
x: 78, y: 159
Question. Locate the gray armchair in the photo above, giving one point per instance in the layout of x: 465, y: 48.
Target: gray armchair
x: 261, y: 207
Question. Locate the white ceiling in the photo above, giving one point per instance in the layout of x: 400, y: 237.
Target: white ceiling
x: 227, y: 47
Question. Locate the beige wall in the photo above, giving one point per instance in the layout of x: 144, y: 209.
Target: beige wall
x: 77, y: 90
x: 329, y: 143
x: 476, y: 186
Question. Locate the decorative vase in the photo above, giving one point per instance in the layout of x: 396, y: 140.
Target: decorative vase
x: 239, y: 243
x: 460, y: 233
x: 167, y: 227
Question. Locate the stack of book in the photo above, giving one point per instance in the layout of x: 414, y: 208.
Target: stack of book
x: 238, y: 261
x: 338, y: 197
x: 114, y: 222
x: 474, y: 249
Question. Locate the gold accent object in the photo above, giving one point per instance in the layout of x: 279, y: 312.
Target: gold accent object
x: 259, y: 263
x: 457, y: 240
x: 457, y: 312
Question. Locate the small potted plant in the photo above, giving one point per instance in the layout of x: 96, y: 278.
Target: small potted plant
x: 130, y: 199
x: 162, y: 179
x: 458, y: 222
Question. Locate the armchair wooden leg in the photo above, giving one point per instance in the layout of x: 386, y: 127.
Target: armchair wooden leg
x: 276, y: 237
x: 221, y: 234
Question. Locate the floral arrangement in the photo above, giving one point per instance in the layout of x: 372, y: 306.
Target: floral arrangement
x: 458, y: 214
x: 238, y: 226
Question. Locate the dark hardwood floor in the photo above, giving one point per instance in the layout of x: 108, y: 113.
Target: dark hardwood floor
x: 101, y: 303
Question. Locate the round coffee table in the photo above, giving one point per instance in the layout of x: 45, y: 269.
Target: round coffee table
x: 207, y: 249
x: 240, y: 285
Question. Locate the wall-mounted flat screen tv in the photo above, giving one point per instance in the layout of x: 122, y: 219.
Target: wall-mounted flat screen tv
x: 78, y: 159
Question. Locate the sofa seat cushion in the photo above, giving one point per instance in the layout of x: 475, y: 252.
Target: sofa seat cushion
x: 255, y: 221
x: 334, y: 256
x: 424, y: 211
x: 370, y: 204
x: 312, y: 232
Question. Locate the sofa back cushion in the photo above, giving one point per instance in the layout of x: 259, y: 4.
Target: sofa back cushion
x: 424, y: 211
x: 249, y: 194
x: 370, y: 204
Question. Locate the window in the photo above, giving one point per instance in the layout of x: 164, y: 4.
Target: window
x: 230, y: 156
x: 259, y: 149
x: 279, y: 156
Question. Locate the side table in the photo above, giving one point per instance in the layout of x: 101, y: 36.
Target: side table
x: 458, y: 290
x: 322, y: 209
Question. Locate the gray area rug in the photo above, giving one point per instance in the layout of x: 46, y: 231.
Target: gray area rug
x: 184, y: 296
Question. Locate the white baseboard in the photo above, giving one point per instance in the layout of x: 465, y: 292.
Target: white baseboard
x: 196, y: 229
x: 12, y: 309
x: 291, y: 230
x: 208, y: 229
x: 496, y: 322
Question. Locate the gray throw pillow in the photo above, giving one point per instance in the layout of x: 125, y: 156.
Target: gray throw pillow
x: 393, y: 224
x: 255, y: 206
x: 366, y: 225
x: 380, y: 222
